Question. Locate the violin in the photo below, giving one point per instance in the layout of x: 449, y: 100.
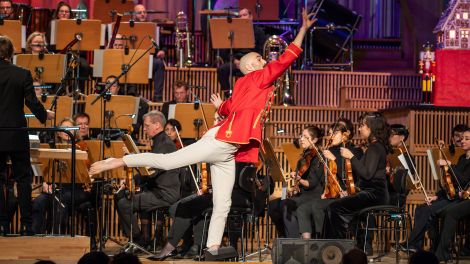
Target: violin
x: 446, y: 178
x: 332, y: 188
x: 347, y: 168
x: 305, y: 161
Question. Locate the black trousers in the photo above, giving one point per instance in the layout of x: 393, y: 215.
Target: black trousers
x: 143, y: 202
x: 158, y: 79
x: 48, y: 210
x: 311, y: 215
x: 341, y: 212
x: 425, y: 219
x: 23, y: 176
x: 289, y: 212
x: 452, y: 214
x: 188, y: 212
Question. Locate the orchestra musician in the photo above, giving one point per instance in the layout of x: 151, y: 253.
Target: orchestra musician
x: 140, y: 15
x: 238, y: 135
x: 53, y: 205
x: 6, y: 10
x: 339, y: 132
x: 398, y: 136
x: 161, y: 189
x: 181, y: 95
x: 309, y: 181
x: 36, y: 44
x: 426, y: 215
x: 16, y: 90
x: 459, y: 209
x: 370, y: 170
x: 63, y: 11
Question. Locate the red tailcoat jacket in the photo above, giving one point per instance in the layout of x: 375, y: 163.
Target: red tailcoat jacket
x: 244, y: 111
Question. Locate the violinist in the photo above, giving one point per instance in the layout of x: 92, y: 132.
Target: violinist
x: 459, y: 209
x: 308, y: 179
x: 339, y: 132
x: 61, y: 203
x: 426, y: 215
x: 161, y: 189
x: 370, y: 170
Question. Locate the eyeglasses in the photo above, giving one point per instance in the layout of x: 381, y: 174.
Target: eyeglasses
x: 64, y: 12
x: 5, y: 7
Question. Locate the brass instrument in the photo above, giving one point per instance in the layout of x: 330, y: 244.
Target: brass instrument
x: 272, y: 50
x: 183, y: 41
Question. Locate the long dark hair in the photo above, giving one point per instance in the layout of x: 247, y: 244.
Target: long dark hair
x: 379, y: 129
x: 315, y: 132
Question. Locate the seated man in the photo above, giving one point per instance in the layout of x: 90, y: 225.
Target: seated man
x: 83, y: 121
x: 161, y: 189
x: 181, y: 94
x: 6, y: 10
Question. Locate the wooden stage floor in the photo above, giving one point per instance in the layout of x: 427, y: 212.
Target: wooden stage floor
x: 67, y: 250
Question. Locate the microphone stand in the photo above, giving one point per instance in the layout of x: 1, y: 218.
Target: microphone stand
x: 102, y: 237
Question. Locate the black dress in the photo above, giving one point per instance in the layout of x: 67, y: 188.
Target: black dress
x: 370, y: 170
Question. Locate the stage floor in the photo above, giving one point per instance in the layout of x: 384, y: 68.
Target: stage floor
x: 67, y: 250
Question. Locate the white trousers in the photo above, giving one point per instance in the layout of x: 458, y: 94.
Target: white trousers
x: 208, y: 149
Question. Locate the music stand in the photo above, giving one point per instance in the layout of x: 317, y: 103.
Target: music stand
x: 434, y: 155
x: 121, y: 111
x: 132, y: 147
x: 192, y: 119
x: 112, y: 61
x: 60, y: 159
x: 135, y: 33
x: 87, y: 32
x: 232, y: 33
x: 16, y: 32
x: 50, y: 68
x: 105, y: 10
x: 292, y: 153
x: 64, y: 110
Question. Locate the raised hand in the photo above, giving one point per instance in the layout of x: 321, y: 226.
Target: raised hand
x: 216, y: 100
x: 307, y: 20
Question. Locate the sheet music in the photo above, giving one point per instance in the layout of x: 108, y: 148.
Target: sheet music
x: 431, y: 163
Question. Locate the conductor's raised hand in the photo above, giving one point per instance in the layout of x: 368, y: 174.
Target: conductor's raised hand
x: 216, y: 100
x: 307, y: 20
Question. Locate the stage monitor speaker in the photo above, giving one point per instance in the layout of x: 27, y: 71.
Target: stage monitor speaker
x: 310, y: 251
x: 329, y: 45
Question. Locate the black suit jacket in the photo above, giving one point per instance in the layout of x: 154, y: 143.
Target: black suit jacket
x: 16, y: 89
x: 165, y: 184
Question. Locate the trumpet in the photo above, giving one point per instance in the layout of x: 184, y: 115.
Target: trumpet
x: 183, y: 41
x: 272, y: 49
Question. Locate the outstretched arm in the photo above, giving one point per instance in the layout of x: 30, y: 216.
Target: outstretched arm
x: 306, y: 24
x: 105, y: 165
x: 274, y: 69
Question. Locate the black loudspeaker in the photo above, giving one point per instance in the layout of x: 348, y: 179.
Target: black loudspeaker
x: 310, y: 251
x: 329, y: 44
